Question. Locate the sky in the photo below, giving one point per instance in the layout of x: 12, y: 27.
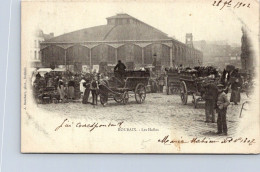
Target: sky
x: 175, y: 18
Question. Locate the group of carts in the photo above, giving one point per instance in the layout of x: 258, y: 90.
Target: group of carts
x: 134, y: 83
x: 187, y: 83
x: 192, y: 83
x: 183, y: 82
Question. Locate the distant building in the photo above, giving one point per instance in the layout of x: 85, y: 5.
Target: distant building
x: 189, y: 40
x: 235, y: 57
x: 124, y: 38
x: 35, y: 53
x: 219, y: 54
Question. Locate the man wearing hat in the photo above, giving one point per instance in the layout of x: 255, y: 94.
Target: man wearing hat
x: 94, y: 86
x: 120, y: 68
x: 211, y: 93
x: 222, y: 104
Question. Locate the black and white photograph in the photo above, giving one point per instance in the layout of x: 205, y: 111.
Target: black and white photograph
x: 166, y: 76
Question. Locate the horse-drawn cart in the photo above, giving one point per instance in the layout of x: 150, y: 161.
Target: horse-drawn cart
x: 172, y: 81
x: 190, y: 84
x: 118, y: 88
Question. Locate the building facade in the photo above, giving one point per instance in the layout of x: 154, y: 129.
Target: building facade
x: 124, y: 38
x: 219, y: 54
x: 35, y: 51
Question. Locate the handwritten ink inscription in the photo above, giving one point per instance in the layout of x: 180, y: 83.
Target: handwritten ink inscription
x: 91, y: 126
x: 230, y: 3
x: 207, y: 140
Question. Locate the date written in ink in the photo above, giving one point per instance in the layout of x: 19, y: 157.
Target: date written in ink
x: 229, y: 3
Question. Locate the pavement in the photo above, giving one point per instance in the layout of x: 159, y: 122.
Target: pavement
x: 159, y: 109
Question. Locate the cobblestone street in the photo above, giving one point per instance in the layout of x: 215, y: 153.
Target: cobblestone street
x: 158, y: 110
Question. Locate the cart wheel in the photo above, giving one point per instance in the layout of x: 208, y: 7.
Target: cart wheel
x: 125, y: 97
x: 140, y: 93
x: 194, y: 101
x: 118, y: 98
x: 183, y: 93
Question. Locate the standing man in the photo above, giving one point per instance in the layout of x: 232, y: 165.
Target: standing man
x: 161, y: 83
x: 94, y: 89
x: 120, y: 68
x: 211, y: 93
x: 222, y: 104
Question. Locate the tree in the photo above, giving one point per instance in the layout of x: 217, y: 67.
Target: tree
x: 246, y: 54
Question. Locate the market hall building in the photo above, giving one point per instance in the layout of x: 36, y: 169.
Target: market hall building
x: 124, y: 38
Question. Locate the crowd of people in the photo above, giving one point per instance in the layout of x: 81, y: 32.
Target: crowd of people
x: 68, y: 86
x: 216, y: 98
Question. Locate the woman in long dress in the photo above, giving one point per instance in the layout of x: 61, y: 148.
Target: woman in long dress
x: 60, y: 89
x: 86, y: 84
x: 71, y: 88
x: 235, y: 94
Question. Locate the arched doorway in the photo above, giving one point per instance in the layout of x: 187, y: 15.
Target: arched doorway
x: 102, y: 53
x: 78, y: 54
x: 157, y: 51
x: 53, y: 55
x: 130, y: 54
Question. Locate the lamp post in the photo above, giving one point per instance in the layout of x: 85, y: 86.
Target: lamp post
x: 154, y: 62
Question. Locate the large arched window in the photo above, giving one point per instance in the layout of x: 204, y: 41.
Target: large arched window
x: 53, y: 55
x: 78, y: 54
x: 102, y: 53
x: 157, y: 51
x: 130, y: 53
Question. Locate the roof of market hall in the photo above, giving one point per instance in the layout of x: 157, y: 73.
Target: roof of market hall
x: 131, y: 29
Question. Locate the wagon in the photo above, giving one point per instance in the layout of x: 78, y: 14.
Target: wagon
x: 47, y: 95
x: 172, y: 81
x: 192, y: 85
x: 118, y: 88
